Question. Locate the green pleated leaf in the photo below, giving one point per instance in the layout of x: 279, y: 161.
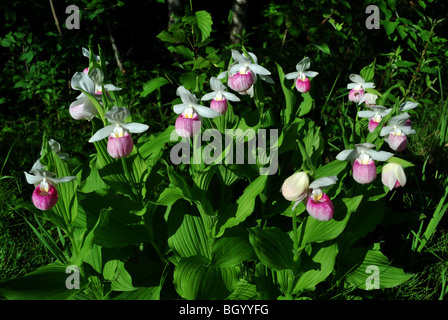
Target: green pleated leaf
x: 187, y: 234
x: 195, y: 279
x: 273, y: 247
x: 245, y: 205
x: 232, y: 249
x: 324, y: 258
x: 318, y: 231
x: 375, y: 271
x: 45, y: 283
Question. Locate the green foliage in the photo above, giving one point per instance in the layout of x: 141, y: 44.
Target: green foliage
x: 142, y: 227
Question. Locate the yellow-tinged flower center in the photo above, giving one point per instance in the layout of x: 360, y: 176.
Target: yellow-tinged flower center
x: 316, y: 195
x: 397, y: 132
x: 364, y: 158
x: 189, y: 113
x: 118, y: 132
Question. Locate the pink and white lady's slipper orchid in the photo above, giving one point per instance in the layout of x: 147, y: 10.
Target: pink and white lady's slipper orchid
x: 393, y: 176
x: 243, y: 73
x: 92, y: 83
x: 357, y: 87
x: 188, y: 123
x: 363, y: 166
x: 219, y: 96
x: 319, y: 205
x: 375, y: 115
x: 45, y: 194
x: 397, y: 131
x: 297, y: 188
x: 119, y: 144
x: 301, y: 76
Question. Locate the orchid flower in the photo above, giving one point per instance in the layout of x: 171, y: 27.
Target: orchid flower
x: 190, y: 112
x: 362, y: 156
x: 301, y: 76
x: 297, y: 188
x: 45, y: 194
x: 219, y: 96
x: 93, y: 83
x: 319, y: 205
x: 375, y: 115
x: 397, y: 131
x: 357, y: 87
x: 243, y: 73
x: 393, y: 176
x: 119, y: 144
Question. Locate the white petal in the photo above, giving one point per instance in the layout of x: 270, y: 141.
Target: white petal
x: 230, y: 96
x: 61, y: 180
x: 222, y: 75
x: 407, y: 130
x: 259, y: 69
x: 356, y: 78
x: 368, y: 85
x: 111, y: 87
x: 32, y: 179
x: 135, y: 127
x: 82, y: 81
x: 408, y: 105
x: 102, y: 133
x: 206, y: 112
x: 366, y: 114
x: 268, y: 79
x: 85, y: 52
x: 324, y: 182
x: 237, y: 56
x: 379, y: 155
x: 303, y: 65
x: 400, y: 175
x: 216, y: 84
x: 310, y: 74
x: 386, y: 130
x: 348, y: 154
x: 351, y: 86
x: 179, y: 108
x: 365, y: 145
x: 235, y: 68
x: 292, y: 75
x: 208, y: 96
x: 117, y: 114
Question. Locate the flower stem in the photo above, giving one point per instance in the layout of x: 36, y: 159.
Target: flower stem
x: 296, y: 238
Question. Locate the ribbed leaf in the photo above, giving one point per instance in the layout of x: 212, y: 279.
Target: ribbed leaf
x: 195, y: 279
x: 245, y: 206
x: 319, y: 231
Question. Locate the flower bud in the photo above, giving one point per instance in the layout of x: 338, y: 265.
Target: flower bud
x: 295, y: 188
x: 364, y: 170
x: 241, y: 81
x: 303, y: 85
x: 319, y: 206
x: 393, y: 176
x: 45, y: 197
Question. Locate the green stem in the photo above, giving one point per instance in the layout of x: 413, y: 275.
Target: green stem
x: 296, y: 238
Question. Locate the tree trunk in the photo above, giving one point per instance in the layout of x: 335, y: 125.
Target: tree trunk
x: 175, y: 8
x: 239, y: 9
